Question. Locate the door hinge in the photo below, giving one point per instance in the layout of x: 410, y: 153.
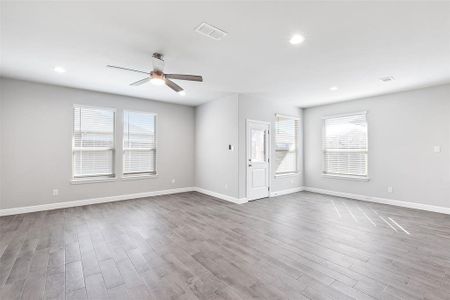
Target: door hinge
x: 268, y: 188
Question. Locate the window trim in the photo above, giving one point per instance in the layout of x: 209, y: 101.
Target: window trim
x: 140, y: 175
x: 83, y: 180
x: 287, y: 174
x: 297, y: 145
x: 345, y: 176
x: 100, y: 177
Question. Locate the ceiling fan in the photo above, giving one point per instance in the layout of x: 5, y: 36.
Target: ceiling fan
x: 158, y: 77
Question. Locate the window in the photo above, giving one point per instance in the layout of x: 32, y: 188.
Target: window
x: 286, y: 145
x: 92, y: 142
x: 345, y: 145
x: 139, y: 143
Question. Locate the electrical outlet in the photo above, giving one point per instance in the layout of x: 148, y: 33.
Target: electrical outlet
x: 55, y: 192
x: 226, y: 186
x: 390, y: 189
x: 173, y: 180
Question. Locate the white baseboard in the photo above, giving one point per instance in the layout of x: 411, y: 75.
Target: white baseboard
x: 50, y: 206
x: 58, y: 205
x: 221, y: 196
x: 285, y: 192
x: 427, y: 207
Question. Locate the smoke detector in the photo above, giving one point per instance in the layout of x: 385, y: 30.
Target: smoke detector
x: 210, y: 31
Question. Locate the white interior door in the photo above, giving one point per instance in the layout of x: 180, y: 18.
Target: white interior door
x: 258, y: 152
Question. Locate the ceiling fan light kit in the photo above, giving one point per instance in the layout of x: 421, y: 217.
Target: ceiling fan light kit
x: 158, y: 77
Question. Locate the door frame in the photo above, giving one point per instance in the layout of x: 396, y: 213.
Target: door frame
x: 269, y: 151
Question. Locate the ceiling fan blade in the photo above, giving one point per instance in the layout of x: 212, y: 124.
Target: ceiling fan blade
x: 184, y: 77
x: 139, y: 82
x: 128, y: 69
x: 173, y: 85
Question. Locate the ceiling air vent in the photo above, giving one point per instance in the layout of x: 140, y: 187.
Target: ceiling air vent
x: 210, y: 31
x: 387, y: 78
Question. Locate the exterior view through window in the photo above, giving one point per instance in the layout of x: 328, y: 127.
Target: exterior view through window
x: 345, y: 146
x: 286, y: 145
x: 139, y: 143
x: 93, y: 142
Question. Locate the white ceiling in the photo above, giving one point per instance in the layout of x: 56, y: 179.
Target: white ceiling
x: 348, y: 44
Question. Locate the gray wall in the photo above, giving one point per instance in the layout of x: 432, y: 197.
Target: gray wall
x: 252, y: 107
x: 36, y: 127
x: 216, y: 127
x: 36, y: 135
x: 403, y: 129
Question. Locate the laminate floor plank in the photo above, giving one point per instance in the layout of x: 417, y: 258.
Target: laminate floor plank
x: 95, y: 287
x: 193, y: 246
x: 55, y: 286
x: 34, y: 288
x: 111, y: 273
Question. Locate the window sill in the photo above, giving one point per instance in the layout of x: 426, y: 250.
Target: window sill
x: 139, y: 177
x: 346, y: 177
x: 287, y: 174
x: 92, y: 180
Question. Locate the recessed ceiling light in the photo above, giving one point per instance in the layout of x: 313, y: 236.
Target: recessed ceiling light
x: 334, y: 88
x: 182, y: 93
x: 387, y: 78
x: 59, y: 69
x: 296, y: 39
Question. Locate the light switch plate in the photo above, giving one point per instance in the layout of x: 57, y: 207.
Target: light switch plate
x: 437, y: 149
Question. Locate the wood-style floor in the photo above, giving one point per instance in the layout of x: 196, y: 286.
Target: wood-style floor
x: 192, y: 246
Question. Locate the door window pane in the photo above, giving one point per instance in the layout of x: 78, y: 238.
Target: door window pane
x: 258, y: 145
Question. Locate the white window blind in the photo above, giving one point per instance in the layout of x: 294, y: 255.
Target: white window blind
x: 139, y: 143
x: 286, y: 144
x: 93, y: 142
x: 345, y: 145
